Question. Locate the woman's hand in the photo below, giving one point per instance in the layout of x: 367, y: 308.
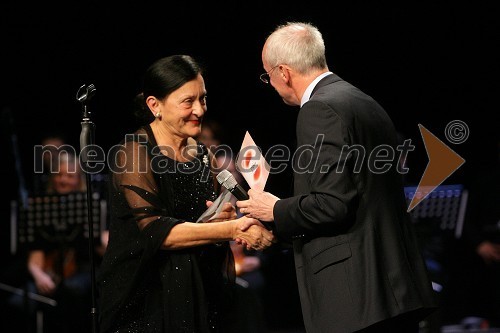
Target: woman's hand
x: 227, y: 213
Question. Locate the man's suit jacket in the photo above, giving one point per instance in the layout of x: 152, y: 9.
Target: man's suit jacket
x: 356, y: 254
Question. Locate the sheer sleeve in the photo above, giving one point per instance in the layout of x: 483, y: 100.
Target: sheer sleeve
x: 134, y: 179
x: 135, y: 183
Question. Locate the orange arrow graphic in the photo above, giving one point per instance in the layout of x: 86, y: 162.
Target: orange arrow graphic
x: 443, y: 161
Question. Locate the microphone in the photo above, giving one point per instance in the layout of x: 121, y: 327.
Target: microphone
x: 85, y: 93
x: 226, y: 179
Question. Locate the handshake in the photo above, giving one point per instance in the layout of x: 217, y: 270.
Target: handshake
x: 251, y: 233
x: 257, y: 206
x: 246, y: 231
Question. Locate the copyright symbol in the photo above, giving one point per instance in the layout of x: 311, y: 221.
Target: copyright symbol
x: 456, y: 131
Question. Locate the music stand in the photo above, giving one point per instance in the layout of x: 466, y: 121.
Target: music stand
x: 447, y: 203
x: 57, y: 219
x: 438, y: 220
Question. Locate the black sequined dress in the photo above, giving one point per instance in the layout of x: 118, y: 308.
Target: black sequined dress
x: 143, y: 288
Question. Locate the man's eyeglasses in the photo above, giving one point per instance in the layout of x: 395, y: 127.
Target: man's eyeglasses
x: 265, y: 77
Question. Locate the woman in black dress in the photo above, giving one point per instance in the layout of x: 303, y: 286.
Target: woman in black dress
x: 162, y: 273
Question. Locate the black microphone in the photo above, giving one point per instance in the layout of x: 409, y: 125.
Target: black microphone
x: 226, y: 179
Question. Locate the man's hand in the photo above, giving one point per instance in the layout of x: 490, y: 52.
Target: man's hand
x: 260, y: 205
x: 44, y: 283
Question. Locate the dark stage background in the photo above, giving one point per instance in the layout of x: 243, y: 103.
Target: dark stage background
x: 424, y: 63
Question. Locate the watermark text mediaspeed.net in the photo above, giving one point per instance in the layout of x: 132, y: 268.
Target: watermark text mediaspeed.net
x: 355, y: 158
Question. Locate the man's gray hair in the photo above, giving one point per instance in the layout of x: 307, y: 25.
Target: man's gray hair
x: 297, y: 44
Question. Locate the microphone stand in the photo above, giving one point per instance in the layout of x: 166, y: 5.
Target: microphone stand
x: 83, y: 95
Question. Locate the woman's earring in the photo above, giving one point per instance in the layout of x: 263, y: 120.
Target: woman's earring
x: 158, y: 115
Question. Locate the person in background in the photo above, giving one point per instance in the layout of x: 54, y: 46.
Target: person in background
x: 210, y: 134
x: 67, y: 179
x: 162, y: 272
x: 51, y: 146
x: 481, y: 236
x: 248, y: 313
x: 58, y: 260
x: 357, y: 261
x: 247, y: 262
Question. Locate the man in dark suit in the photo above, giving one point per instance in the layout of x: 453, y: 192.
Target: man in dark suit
x: 358, y: 264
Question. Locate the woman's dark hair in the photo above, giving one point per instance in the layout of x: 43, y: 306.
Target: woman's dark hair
x: 162, y: 78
